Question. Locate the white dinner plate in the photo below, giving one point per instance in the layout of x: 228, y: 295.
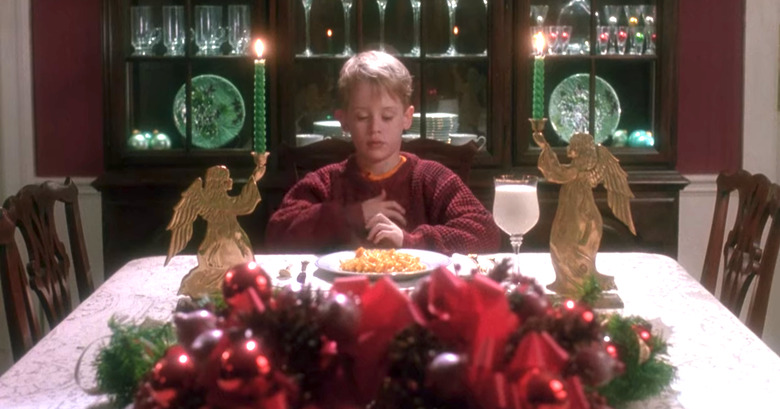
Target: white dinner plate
x: 431, y: 260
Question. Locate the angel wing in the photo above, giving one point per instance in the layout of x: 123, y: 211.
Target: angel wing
x: 184, y: 213
x: 616, y: 183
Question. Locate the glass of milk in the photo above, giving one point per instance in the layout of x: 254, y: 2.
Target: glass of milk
x: 516, y: 207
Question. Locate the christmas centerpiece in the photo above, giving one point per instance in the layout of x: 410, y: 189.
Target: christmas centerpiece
x: 483, y: 341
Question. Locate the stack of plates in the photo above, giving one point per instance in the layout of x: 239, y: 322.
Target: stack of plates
x: 438, y: 125
x: 330, y: 128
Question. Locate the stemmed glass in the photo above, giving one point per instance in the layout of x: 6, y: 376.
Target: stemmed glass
x: 173, y: 30
x: 487, y: 16
x: 415, y: 51
x: 538, y: 14
x: 452, y: 5
x: 612, y: 14
x: 649, y: 12
x: 347, y: 8
x: 633, y: 13
x: 516, y: 208
x: 382, y: 7
x: 306, y: 20
x: 238, y: 28
x: 143, y: 35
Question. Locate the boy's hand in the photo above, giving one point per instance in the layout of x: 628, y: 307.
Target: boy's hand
x: 380, y: 228
x: 378, y: 205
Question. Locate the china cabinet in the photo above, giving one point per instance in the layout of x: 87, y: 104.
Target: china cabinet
x: 182, y: 95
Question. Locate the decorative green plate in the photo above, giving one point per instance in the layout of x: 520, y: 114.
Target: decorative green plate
x: 217, y: 111
x: 570, y: 111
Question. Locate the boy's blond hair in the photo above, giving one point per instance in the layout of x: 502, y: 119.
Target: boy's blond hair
x: 381, y: 70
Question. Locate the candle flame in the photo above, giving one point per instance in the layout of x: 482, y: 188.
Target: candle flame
x: 259, y: 48
x: 329, y: 33
x: 455, y: 30
x: 539, y: 43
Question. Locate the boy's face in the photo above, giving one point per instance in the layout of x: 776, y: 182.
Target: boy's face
x: 376, y: 120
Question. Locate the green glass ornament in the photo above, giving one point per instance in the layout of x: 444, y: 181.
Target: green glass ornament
x: 641, y: 139
x: 160, y: 141
x: 138, y: 141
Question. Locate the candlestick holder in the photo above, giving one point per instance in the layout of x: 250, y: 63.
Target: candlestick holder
x: 576, y: 230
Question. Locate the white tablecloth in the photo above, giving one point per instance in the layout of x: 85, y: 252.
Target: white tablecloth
x: 721, y: 364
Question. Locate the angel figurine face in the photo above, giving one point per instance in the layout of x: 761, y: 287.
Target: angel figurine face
x: 218, y: 178
x: 582, y: 151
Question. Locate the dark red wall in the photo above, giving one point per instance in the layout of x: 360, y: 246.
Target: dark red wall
x: 711, y: 85
x: 67, y: 87
x: 67, y: 95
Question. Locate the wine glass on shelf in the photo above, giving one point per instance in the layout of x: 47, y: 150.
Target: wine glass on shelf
x: 515, y: 208
x: 306, y: 20
x: 487, y: 16
x: 347, y: 5
x: 650, y: 34
x: 382, y: 7
x: 452, y: 5
x: 538, y: 14
x: 415, y: 51
x: 612, y: 14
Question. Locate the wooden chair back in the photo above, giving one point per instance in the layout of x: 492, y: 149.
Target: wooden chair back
x: 301, y: 160
x: 458, y: 158
x: 304, y: 159
x: 23, y: 326
x: 49, y: 263
x: 746, y: 258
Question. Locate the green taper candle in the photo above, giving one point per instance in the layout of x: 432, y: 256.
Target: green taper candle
x: 538, y: 84
x: 259, y: 91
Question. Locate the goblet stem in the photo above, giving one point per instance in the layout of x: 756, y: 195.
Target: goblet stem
x: 347, y: 47
x: 382, y: 6
x: 451, y: 5
x: 307, y: 15
x: 416, y: 19
x: 516, y: 240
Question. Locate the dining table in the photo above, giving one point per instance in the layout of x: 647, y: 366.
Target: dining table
x: 720, y: 362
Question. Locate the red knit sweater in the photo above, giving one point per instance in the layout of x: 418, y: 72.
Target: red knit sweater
x: 322, y: 212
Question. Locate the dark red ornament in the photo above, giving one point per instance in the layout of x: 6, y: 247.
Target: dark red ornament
x: 169, y: 381
x: 543, y: 388
x: 174, y: 370
x: 242, y: 276
x: 245, y: 362
x: 532, y: 303
x: 205, y: 343
x: 594, y: 364
x: 340, y: 316
x: 191, y: 324
x: 247, y: 287
x: 447, y: 376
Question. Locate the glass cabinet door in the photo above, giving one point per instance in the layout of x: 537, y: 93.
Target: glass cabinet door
x: 602, y: 64
x: 188, y: 69
x: 444, y: 44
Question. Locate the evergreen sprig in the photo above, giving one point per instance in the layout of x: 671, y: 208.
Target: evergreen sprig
x: 130, y: 354
x: 640, y: 379
x: 590, y: 291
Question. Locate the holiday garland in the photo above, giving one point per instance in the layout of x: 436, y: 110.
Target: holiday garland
x: 481, y: 342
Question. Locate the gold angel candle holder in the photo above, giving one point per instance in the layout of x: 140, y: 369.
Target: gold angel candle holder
x: 225, y: 243
x: 577, y: 228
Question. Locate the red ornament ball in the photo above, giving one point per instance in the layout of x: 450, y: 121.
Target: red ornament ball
x: 189, y: 325
x: 241, y: 278
x: 594, y: 364
x: 340, y: 317
x: 447, y: 376
x: 543, y: 388
x: 244, y: 360
x: 175, y: 370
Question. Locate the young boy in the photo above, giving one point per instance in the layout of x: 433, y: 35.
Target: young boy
x: 380, y: 196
